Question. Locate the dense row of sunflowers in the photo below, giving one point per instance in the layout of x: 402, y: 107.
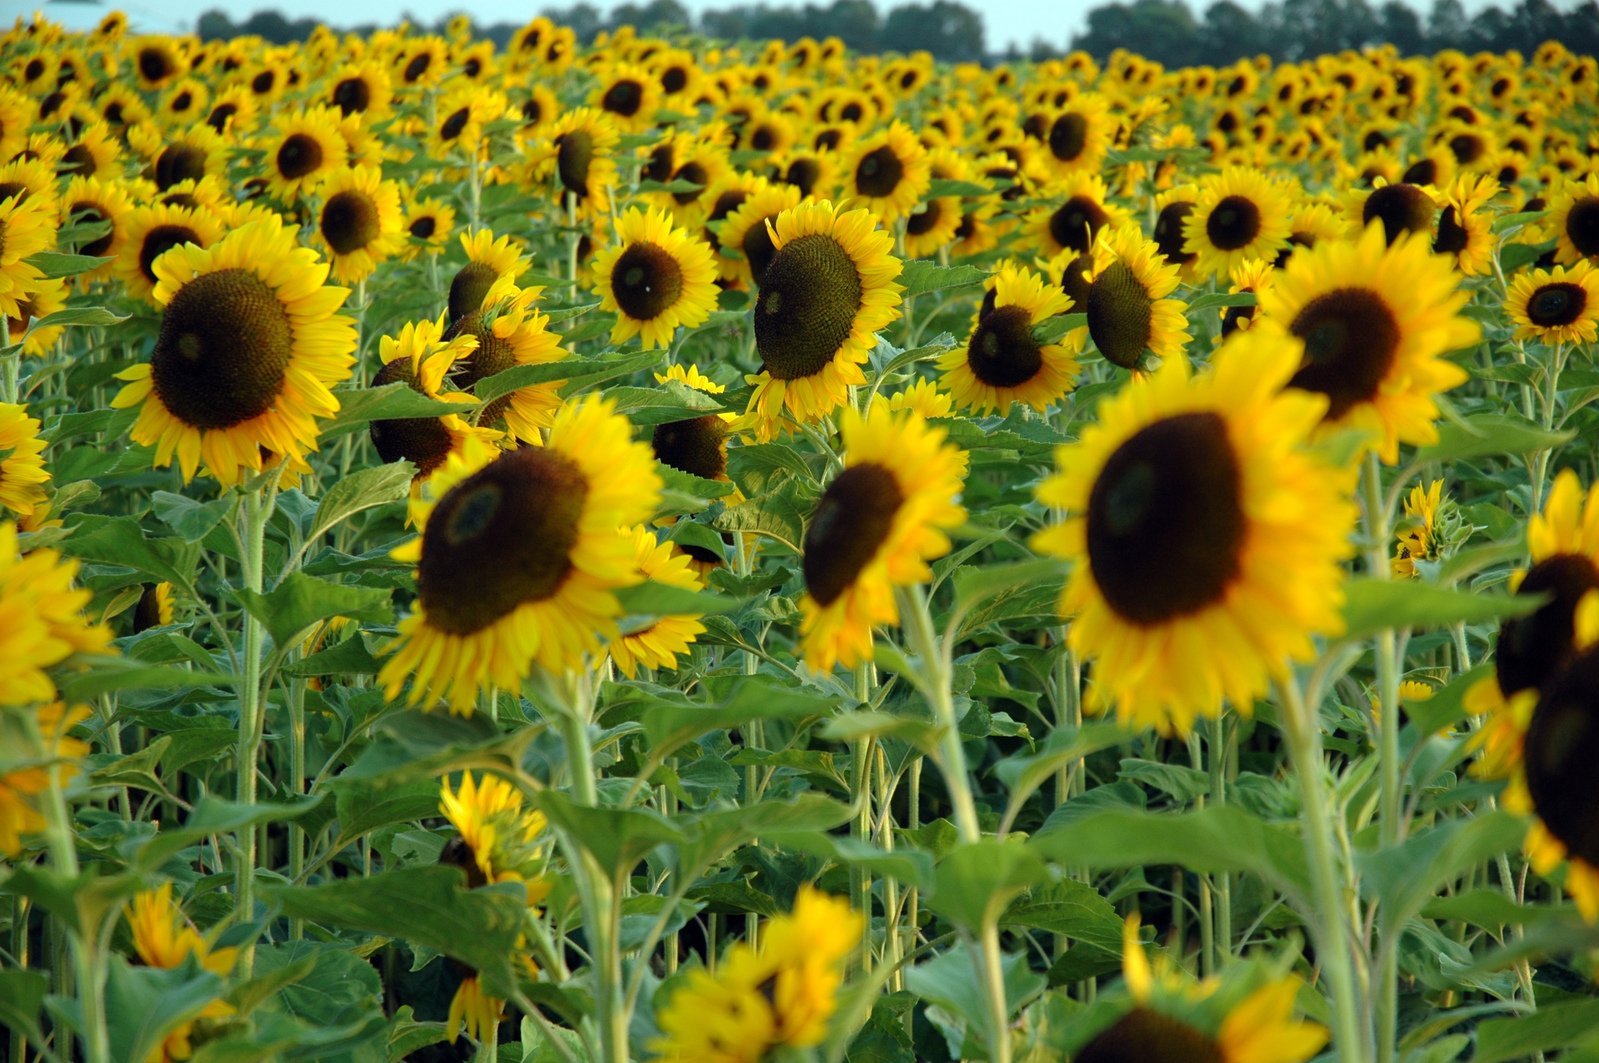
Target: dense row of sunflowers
x: 493, y: 539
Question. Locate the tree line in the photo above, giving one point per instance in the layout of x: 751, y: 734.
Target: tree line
x: 1169, y: 31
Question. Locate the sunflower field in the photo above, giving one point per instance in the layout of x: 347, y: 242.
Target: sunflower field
x: 665, y: 549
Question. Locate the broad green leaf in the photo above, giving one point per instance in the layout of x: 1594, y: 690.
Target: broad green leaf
x: 1214, y: 839
x: 944, y: 186
x: 951, y: 981
x: 1371, y: 605
x: 360, y: 491
x: 350, y: 657
x: 662, y: 404
x: 216, y: 815
x: 1219, y: 300
x: 1053, y: 330
x: 1078, y: 912
x: 922, y: 276
x: 21, y: 998
x: 909, y: 867
x: 77, y: 315
x: 427, y: 906
x: 1405, y: 877
x: 363, y: 806
x: 714, y: 833
x: 980, y: 586
x: 671, y: 723
x: 145, y: 1004
x: 301, y: 600
x: 61, y: 264
x: 1481, y: 434
x: 1551, y: 1027
x: 617, y: 838
x: 974, y: 883
x: 107, y: 675
x: 391, y: 402
x: 662, y: 599
x: 192, y: 520
x: 121, y: 541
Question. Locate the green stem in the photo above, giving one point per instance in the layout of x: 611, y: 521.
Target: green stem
x: 1334, y: 943
x: 256, y: 510
x: 13, y: 363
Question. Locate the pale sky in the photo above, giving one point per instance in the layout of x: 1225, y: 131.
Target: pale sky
x: 1007, y: 21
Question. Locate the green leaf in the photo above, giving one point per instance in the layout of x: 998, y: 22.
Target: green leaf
x: 106, y: 675
x: 617, y: 838
x: 906, y: 866
x: 1218, y: 300
x: 360, y: 491
x: 391, y: 402
x: 192, y: 520
x: 1076, y: 911
x: 215, y: 815
x: 986, y: 585
x: 1551, y: 1027
x: 944, y: 186
x: 364, y: 806
x: 301, y: 600
x: 426, y: 906
x: 350, y: 657
x: 1215, y: 839
x: 1053, y: 330
x: 975, y: 882
x: 662, y: 404
x: 1405, y: 877
x: 672, y: 723
x: 120, y: 541
x: 576, y: 372
x: 717, y: 832
x: 675, y: 186
x: 77, y: 315
x: 922, y: 276
x: 1482, y: 434
x: 21, y: 998
x: 1372, y: 605
x: 950, y: 981
x: 145, y: 1004
x: 662, y: 599
x: 61, y: 264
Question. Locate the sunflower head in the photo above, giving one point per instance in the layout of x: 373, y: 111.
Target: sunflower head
x: 1127, y: 302
x: 655, y: 276
x: 1559, y: 305
x: 1002, y: 361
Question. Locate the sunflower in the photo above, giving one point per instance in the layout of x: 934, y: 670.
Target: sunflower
x: 361, y: 87
x: 32, y: 179
x: 654, y: 277
x: 875, y: 528
x: 1251, y: 276
x: 183, y: 101
x: 1238, y: 214
x: 1416, y: 539
x: 154, y: 607
x: 1245, y: 1018
x: 26, y: 228
x: 667, y: 638
x: 1208, y: 542
x: 302, y: 149
x: 26, y: 775
x: 510, y: 331
x: 462, y: 114
x: 1558, y: 305
x: 1084, y: 209
x: 698, y: 445
x: 1374, y: 320
x: 164, y: 939
x: 781, y: 994
x: 700, y: 162
x: 16, y: 116
x: 629, y: 94
x: 428, y: 224
x: 47, y: 298
x: 504, y: 840
x: 519, y: 557
x: 1465, y: 228
x: 1573, y: 220
x: 190, y: 154
x: 22, y: 471
x: 1399, y: 208
x: 95, y: 151
x: 580, y: 151
x: 1078, y: 135
x: 233, y: 112
x: 921, y: 396
x: 1127, y: 302
x: 423, y: 62
x: 1310, y: 224
x: 359, y: 221
x: 490, y: 261
x: 249, y: 348
x: 1001, y: 362
x: 744, y: 240
x: 936, y: 221
x: 1172, y: 208
x: 155, y: 61
x: 887, y: 172
x: 420, y: 358
x: 827, y: 290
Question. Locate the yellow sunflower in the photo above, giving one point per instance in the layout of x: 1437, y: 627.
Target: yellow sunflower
x: 44, y: 300
x: 887, y: 172
x: 1558, y: 305
x: 1465, y: 228
x: 154, y: 607
x: 1374, y: 320
x: 25, y: 767
x: 1240, y: 213
x: 1128, y: 300
x: 428, y: 224
x: 1084, y: 209
x: 1001, y: 362
x: 654, y: 277
x: 827, y: 290
x: 1078, y: 135
x: 1172, y: 208
x: 1416, y: 540
x: 22, y: 471
x: 1396, y: 209
x: 490, y: 261
x: 303, y: 148
x: 519, y: 557
x: 875, y: 528
x: 1573, y: 220
x: 511, y: 331
x: 1209, y: 543
x: 25, y: 229
x: 936, y: 221
x: 698, y: 445
x: 250, y: 346
x: 155, y: 60
x: 359, y: 221
x: 462, y: 114
x: 629, y: 94
x: 360, y: 87
x: 163, y: 938
x: 580, y: 149
x: 420, y: 358
x: 744, y: 241
x: 666, y: 638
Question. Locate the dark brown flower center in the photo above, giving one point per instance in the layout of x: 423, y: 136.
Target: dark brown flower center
x: 1120, y: 315
x: 453, y: 126
x: 803, y: 173
x: 1556, y: 304
x: 1074, y: 223
x: 1165, y: 526
x: 417, y: 67
x: 852, y: 519
x: 693, y: 173
x: 696, y: 446
x: 758, y: 249
x: 350, y: 221
x: 224, y: 347
x: 879, y: 172
x: 1145, y: 1036
x: 1351, y: 338
x: 1234, y: 223
x: 424, y: 441
x: 674, y: 79
x: 1401, y: 208
x: 158, y: 241
x: 262, y: 83
x: 646, y: 281
x: 1068, y: 135
x: 424, y: 227
x: 810, y: 293
x: 1582, y: 226
x: 501, y: 538
x: 352, y: 96
x: 1421, y: 172
x: 574, y: 154
x: 299, y: 155
x: 178, y: 163
x: 1452, y: 236
x: 493, y: 355
x: 154, y: 65
x: 467, y: 289
x: 1002, y: 352
x: 623, y: 98
x: 1169, y: 232
x: 1532, y: 648
x: 1562, y: 746
x: 925, y: 219
x: 147, y: 613
x: 221, y: 115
